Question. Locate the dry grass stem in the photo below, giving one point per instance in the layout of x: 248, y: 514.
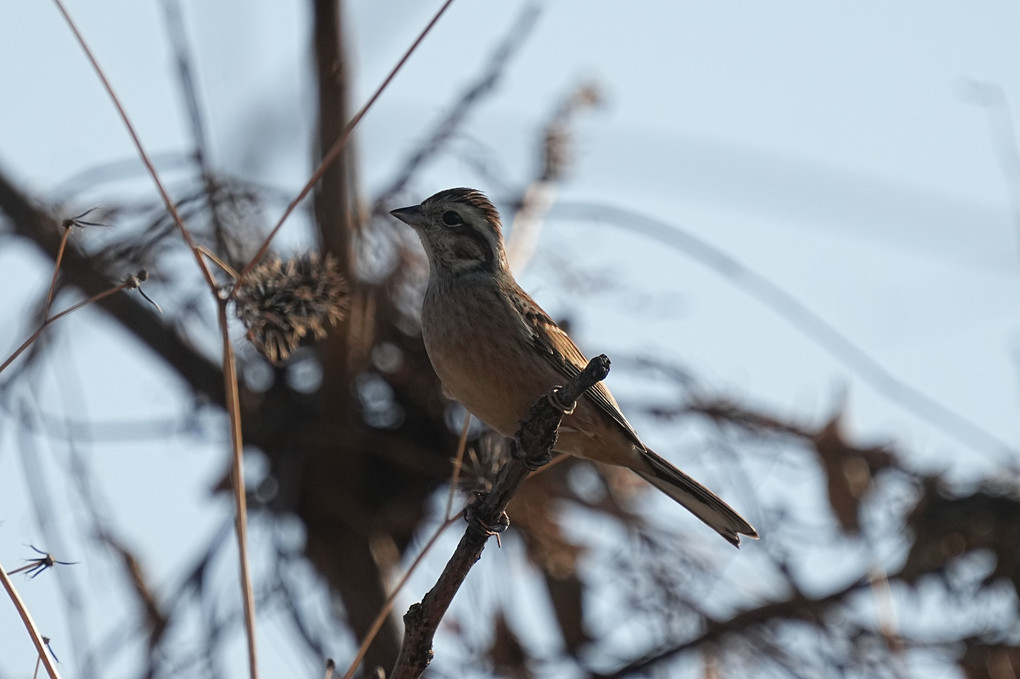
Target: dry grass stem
x: 133, y: 281
x: 336, y: 149
x: 171, y: 208
x: 26, y: 618
x: 226, y: 268
x: 56, y: 271
x: 458, y: 463
x: 237, y: 477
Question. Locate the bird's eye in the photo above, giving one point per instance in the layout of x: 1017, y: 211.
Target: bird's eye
x: 451, y: 218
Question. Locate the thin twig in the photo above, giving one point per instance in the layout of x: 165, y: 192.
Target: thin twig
x: 229, y: 270
x: 26, y: 617
x: 388, y: 605
x: 67, y: 225
x: 336, y: 149
x: 56, y: 270
x: 458, y: 463
x: 131, y: 282
x: 171, y: 208
x: 233, y: 408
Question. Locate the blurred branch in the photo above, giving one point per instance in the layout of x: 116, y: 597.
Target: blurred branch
x: 947, y: 525
x: 557, y: 154
x: 177, y: 37
x: 336, y: 194
x: 39, y: 227
x: 326, y: 13
x: 486, y: 516
x: 384, y: 613
x: 172, y: 15
x: 801, y: 317
x: 849, y: 469
x: 944, y: 528
x: 484, y: 85
x: 155, y: 619
x: 1002, y: 131
x: 796, y: 607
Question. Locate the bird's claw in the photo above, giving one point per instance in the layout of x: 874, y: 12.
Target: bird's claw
x: 472, y: 517
x: 555, y: 402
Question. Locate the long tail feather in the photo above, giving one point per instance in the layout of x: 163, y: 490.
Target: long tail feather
x: 699, y: 500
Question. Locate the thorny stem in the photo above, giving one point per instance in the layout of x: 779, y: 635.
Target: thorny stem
x: 56, y: 270
x: 26, y: 618
x: 131, y: 282
x: 336, y: 149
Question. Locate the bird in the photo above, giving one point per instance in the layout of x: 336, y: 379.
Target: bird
x: 497, y: 352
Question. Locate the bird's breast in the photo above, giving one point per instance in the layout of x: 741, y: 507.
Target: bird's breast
x: 481, y: 350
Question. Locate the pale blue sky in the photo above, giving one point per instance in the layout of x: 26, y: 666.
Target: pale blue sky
x: 835, y: 149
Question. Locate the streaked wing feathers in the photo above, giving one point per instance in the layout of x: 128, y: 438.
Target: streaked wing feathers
x: 561, y: 352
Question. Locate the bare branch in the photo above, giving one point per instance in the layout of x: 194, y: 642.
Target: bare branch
x: 486, y: 517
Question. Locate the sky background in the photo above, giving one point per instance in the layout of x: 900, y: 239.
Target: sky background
x: 858, y: 157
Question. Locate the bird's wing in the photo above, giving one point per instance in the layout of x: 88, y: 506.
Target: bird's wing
x: 559, y: 350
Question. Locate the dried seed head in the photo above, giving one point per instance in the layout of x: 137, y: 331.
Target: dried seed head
x: 282, y: 301
x: 81, y: 223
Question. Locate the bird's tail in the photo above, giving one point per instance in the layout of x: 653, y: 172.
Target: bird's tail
x: 699, y: 500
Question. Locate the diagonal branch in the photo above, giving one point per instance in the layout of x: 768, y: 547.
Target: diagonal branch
x: 532, y: 445
x: 796, y: 607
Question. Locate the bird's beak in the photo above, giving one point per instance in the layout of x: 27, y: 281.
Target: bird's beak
x: 412, y: 216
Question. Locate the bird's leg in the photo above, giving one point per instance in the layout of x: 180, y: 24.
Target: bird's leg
x: 556, y: 402
x: 541, y: 439
x: 473, y: 512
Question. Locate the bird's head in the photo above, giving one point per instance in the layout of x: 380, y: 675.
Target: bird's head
x: 460, y: 230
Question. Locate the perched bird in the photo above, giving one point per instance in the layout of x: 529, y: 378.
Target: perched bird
x: 497, y: 352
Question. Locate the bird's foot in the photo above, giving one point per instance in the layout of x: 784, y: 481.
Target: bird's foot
x: 472, y: 517
x: 556, y: 402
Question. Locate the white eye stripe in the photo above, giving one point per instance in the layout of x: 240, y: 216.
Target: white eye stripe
x: 484, y: 245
